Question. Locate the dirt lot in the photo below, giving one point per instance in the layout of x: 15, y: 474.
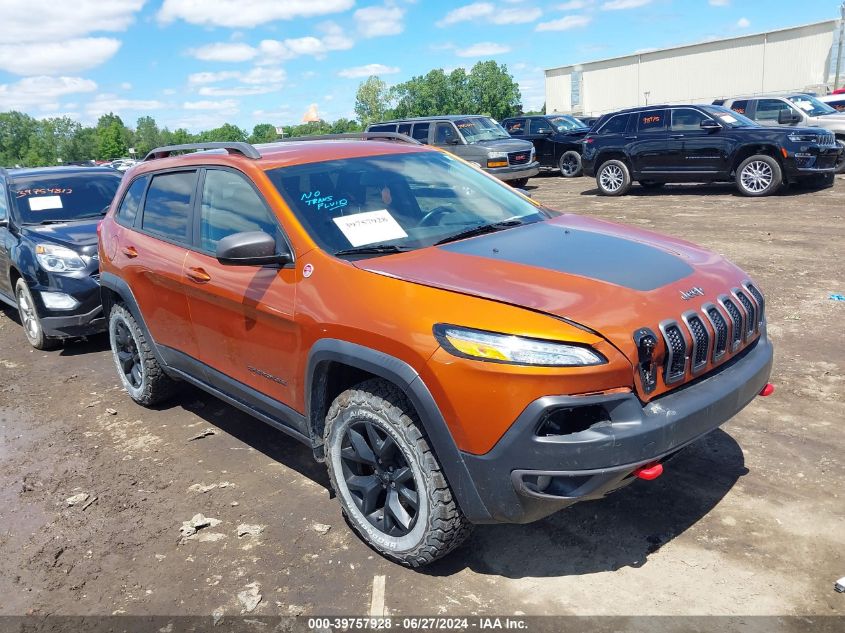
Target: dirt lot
x: 751, y: 520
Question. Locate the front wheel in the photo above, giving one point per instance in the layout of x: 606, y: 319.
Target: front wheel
x: 519, y: 183
x: 759, y: 176
x: 613, y: 178
x: 387, y: 479
x: 570, y: 164
x: 840, y: 163
x: 30, y: 320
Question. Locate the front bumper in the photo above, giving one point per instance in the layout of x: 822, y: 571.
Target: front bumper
x: 810, y: 162
x: 85, y: 319
x: 514, y: 172
x: 527, y: 476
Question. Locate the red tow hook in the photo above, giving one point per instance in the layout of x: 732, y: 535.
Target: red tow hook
x: 649, y: 472
x: 768, y: 390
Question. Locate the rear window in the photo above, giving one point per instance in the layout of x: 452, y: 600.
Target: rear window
x: 382, y: 128
x: 652, y: 121
x: 43, y: 199
x: 740, y: 106
x: 421, y: 132
x: 167, y: 207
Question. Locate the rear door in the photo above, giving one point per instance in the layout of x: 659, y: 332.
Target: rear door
x: 702, y: 151
x: 243, y: 316
x: 151, y: 257
x: 5, y: 243
x: 651, y: 149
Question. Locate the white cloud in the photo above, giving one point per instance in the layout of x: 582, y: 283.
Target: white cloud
x: 467, y: 12
x: 35, y: 91
x: 370, y: 69
x: 224, y: 52
x: 333, y: 39
x: 379, y: 21
x: 126, y: 86
x: 228, y: 105
x: 743, y: 23
x: 719, y: 3
x: 573, y: 5
x: 618, y: 5
x: 565, y: 23
x: 52, y: 58
x: 212, y: 77
x: 516, y: 16
x: 483, y: 49
x: 237, y: 91
x: 264, y: 75
x: 105, y: 103
x: 51, y: 21
x: 246, y: 13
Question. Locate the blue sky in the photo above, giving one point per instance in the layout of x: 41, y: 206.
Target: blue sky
x: 199, y: 63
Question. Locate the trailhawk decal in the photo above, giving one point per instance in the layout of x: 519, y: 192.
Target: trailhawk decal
x: 589, y: 254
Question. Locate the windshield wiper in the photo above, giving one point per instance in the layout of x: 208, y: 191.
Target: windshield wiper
x: 373, y: 250
x: 98, y: 214
x: 481, y: 229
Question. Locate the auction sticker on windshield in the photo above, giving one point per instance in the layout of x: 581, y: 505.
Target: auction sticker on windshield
x: 44, y: 203
x: 727, y: 118
x: 370, y: 227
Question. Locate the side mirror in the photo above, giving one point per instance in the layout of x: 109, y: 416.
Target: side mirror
x: 788, y: 117
x: 454, y: 141
x: 253, y: 248
x: 710, y: 124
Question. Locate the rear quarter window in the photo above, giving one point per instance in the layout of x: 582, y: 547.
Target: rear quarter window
x: 740, y: 107
x: 421, y: 132
x: 616, y: 125
x: 382, y: 128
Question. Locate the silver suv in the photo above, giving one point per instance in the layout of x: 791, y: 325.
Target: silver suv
x: 476, y: 139
x: 796, y: 110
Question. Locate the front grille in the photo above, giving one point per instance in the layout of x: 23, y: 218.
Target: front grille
x: 676, y: 352
x: 758, y: 297
x: 736, y: 321
x: 720, y: 328
x: 750, y: 311
x: 519, y: 158
x: 827, y: 138
x: 700, y: 340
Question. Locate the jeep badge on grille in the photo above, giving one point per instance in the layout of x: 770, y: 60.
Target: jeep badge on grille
x: 693, y: 292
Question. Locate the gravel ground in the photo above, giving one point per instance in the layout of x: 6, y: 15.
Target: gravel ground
x: 748, y: 521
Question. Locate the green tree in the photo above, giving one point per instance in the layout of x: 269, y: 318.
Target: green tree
x: 263, y: 133
x: 111, y: 141
x: 16, y: 130
x: 493, y: 91
x: 147, y: 136
x: 226, y: 132
x: 371, y: 100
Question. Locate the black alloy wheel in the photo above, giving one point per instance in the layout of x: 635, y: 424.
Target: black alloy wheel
x: 128, y: 356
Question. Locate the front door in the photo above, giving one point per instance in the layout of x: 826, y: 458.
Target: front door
x: 540, y: 133
x: 243, y: 316
x: 702, y: 151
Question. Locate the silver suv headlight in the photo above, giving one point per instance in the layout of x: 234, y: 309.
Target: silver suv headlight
x: 516, y: 350
x: 58, y: 259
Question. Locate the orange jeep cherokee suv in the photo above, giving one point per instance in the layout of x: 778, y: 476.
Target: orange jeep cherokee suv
x: 453, y: 351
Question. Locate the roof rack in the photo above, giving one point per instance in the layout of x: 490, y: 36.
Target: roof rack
x: 360, y: 136
x: 232, y: 147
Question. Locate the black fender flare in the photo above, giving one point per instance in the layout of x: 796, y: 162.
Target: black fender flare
x: 408, y: 379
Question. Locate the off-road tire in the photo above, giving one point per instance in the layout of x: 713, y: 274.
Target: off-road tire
x: 570, y: 164
x: 613, y: 178
x: 439, y: 525
x: 30, y: 320
x: 759, y: 175
x: 154, y: 385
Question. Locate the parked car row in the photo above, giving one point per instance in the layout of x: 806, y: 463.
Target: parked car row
x: 426, y: 331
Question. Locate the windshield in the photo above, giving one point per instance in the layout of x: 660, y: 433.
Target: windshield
x: 480, y: 129
x: 566, y: 123
x: 811, y: 105
x: 728, y: 117
x: 63, y: 197
x: 407, y: 201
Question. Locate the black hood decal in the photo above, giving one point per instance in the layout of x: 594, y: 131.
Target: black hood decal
x: 616, y: 260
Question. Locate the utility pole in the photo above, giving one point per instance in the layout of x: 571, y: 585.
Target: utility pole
x: 839, y: 48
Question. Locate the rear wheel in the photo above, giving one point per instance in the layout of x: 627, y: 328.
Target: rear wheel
x: 613, y: 178
x: 30, y: 320
x: 570, y: 164
x: 139, y: 371
x: 387, y: 479
x: 758, y: 176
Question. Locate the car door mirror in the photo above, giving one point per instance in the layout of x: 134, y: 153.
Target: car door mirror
x: 710, y: 124
x: 788, y: 117
x: 252, y: 248
x: 546, y: 131
x: 454, y: 141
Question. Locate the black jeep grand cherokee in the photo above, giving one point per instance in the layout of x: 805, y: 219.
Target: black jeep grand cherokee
x: 656, y: 145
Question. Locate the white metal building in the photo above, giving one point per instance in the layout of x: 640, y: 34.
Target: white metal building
x: 797, y: 58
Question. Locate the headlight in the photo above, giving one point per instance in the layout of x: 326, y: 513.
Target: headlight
x: 492, y: 155
x: 516, y: 350
x: 58, y: 259
x: 798, y: 137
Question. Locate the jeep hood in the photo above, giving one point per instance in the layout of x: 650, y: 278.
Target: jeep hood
x: 606, y: 277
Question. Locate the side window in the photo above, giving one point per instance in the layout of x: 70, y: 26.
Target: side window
x: 616, y: 125
x: 740, y: 106
x: 515, y: 127
x: 421, y: 132
x: 128, y: 208
x: 769, y: 109
x: 405, y: 128
x: 383, y: 128
x: 652, y: 121
x: 230, y: 205
x: 687, y: 120
x: 4, y: 211
x: 538, y: 126
x: 167, y: 209
x: 444, y: 134
x: 837, y: 105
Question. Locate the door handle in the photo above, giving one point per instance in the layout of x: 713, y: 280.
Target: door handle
x: 676, y: 136
x: 199, y: 275
x: 630, y: 138
x: 130, y: 252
